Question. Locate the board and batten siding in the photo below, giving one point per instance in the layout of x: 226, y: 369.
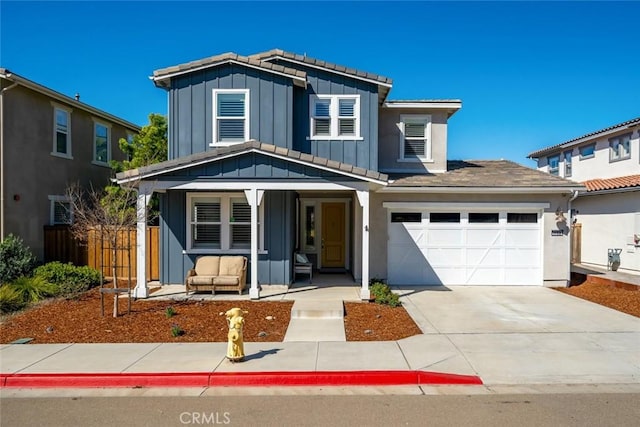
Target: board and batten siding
x: 274, y: 266
x: 191, y: 107
x: 362, y: 153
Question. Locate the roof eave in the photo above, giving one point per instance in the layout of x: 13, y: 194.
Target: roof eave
x: 450, y: 106
x: 485, y: 190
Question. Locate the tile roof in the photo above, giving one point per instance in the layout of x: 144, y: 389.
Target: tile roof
x: 192, y: 160
x: 483, y: 174
x: 212, y: 61
x: 323, y: 64
x: 613, y: 183
x: 575, y: 141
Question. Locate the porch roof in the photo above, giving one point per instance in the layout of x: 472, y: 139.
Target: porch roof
x: 252, y: 146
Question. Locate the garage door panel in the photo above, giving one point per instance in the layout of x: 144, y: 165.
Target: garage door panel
x: 447, y: 275
x: 483, y: 237
x: 484, y: 276
x: 522, y: 276
x: 519, y: 237
x: 448, y: 236
x: 445, y: 256
x: 484, y: 256
x: 527, y: 257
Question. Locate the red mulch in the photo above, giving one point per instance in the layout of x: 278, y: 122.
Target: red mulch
x: 79, y: 321
x: 626, y: 300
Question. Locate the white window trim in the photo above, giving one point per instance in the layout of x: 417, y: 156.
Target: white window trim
x: 426, y: 119
x: 333, y: 114
x: 617, y: 141
x: 214, y: 124
x: 67, y: 110
x: 96, y: 123
x: 566, y: 164
x: 590, y: 156
x: 554, y: 170
x: 52, y: 202
x: 225, y: 224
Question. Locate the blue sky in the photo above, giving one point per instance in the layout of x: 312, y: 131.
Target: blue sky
x: 529, y: 74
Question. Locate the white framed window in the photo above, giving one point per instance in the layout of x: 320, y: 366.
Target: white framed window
x: 334, y: 117
x: 554, y: 164
x: 101, y: 143
x: 587, y: 151
x: 620, y: 147
x: 415, y: 138
x: 230, y: 116
x: 568, y: 155
x: 61, y: 131
x: 221, y: 222
x: 60, y: 210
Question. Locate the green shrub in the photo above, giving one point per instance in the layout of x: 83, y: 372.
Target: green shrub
x: 176, y: 330
x: 70, y: 280
x: 169, y: 312
x: 383, y: 294
x: 10, y: 299
x: 15, y: 259
x: 33, y: 289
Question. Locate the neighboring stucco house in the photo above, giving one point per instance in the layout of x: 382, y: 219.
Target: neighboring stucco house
x: 276, y: 152
x: 607, y: 162
x: 49, y: 141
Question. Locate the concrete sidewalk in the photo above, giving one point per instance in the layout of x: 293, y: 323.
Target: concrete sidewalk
x: 504, y: 335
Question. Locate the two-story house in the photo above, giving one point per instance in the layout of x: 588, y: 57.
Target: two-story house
x: 607, y: 211
x: 275, y: 153
x: 49, y: 141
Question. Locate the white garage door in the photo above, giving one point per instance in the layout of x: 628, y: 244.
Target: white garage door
x: 464, y: 248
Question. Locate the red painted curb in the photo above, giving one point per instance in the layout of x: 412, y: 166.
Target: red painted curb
x: 231, y: 379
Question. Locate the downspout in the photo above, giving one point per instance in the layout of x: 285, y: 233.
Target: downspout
x: 570, y: 239
x: 2, y: 154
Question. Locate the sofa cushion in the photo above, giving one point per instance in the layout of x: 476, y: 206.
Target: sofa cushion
x: 231, y: 266
x: 226, y: 280
x: 200, y: 280
x: 207, y: 265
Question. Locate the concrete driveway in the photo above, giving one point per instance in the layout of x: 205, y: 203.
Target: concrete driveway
x: 521, y: 335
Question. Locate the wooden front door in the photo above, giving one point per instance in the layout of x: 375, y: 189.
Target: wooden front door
x: 333, y: 235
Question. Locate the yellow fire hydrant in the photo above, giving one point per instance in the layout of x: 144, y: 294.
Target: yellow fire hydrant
x: 235, y: 346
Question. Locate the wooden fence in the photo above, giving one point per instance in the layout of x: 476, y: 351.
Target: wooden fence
x: 60, y: 245
x: 576, y: 243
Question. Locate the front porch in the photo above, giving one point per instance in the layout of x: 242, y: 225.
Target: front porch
x: 325, y: 286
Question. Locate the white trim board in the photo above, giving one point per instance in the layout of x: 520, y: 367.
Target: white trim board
x: 466, y: 206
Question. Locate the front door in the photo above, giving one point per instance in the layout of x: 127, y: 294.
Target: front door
x: 333, y: 235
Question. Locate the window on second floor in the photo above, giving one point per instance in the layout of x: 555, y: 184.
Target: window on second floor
x: 101, y: 144
x: 619, y: 147
x: 230, y: 116
x: 567, y: 163
x: 335, y: 117
x: 554, y: 164
x: 61, y: 131
x: 60, y: 210
x: 587, y: 151
x: 415, y: 137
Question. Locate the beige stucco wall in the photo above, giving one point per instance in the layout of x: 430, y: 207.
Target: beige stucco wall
x: 610, y: 221
x: 555, y: 248
x: 32, y: 173
x: 389, y: 139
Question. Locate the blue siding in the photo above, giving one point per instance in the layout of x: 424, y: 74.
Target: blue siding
x: 274, y: 267
x: 254, y: 165
x: 191, y: 107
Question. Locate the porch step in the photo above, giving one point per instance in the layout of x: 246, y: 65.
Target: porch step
x: 317, y: 309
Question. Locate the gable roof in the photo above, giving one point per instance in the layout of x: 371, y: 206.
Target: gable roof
x: 486, y: 174
x: 220, y: 153
x: 384, y: 83
x: 162, y: 76
x: 622, y: 182
x: 75, y: 103
x: 592, y: 135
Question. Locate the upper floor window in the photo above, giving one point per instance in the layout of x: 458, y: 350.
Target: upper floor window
x: 61, y: 131
x: 567, y: 163
x: 619, y: 147
x: 587, y: 151
x: 101, y: 143
x: 335, y: 117
x: 230, y: 116
x: 415, y: 138
x: 60, y: 210
x: 554, y: 164
x: 221, y: 222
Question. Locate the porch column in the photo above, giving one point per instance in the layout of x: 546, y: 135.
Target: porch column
x: 144, y: 196
x: 254, y: 197
x: 363, y: 199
